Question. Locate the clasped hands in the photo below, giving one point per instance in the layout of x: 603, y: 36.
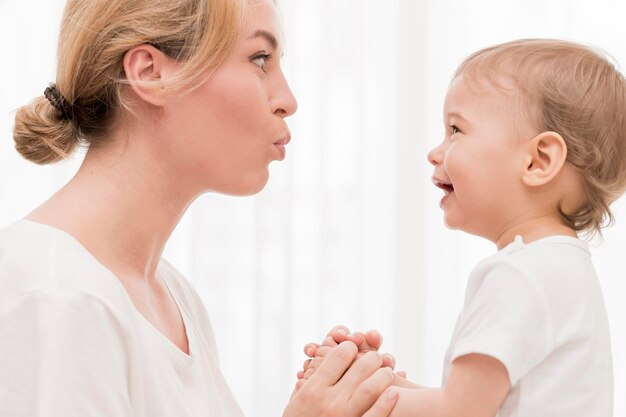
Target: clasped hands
x: 346, y: 376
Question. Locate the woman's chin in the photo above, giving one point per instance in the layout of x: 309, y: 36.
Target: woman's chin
x: 246, y: 186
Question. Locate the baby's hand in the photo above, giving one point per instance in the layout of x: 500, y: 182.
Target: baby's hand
x: 370, y: 341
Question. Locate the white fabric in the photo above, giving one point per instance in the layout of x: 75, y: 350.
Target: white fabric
x: 348, y: 229
x: 538, y: 309
x: 73, y: 345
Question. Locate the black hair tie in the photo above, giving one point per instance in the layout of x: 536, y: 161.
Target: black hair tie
x: 59, y: 102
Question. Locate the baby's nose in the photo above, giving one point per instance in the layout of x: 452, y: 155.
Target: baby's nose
x: 435, y: 156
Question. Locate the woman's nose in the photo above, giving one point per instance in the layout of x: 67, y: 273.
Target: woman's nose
x: 284, y: 102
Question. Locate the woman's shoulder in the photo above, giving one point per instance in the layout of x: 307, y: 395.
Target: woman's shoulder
x: 26, y: 240
x: 36, y: 258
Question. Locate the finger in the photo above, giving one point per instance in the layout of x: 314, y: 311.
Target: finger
x: 385, y: 403
x: 323, y: 351
x: 334, y: 365
x: 299, y: 385
x: 308, y: 373
x: 329, y: 341
x: 358, y: 338
x: 360, y: 371
x: 389, y: 361
x: 300, y: 375
x: 374, y: 339
x: 315, y: 363
x: 339, y: 329
x: 401, y: 374
x: 366, y: 394
x: 306, y: 364
x: 310, y: 348
x: 339, y: 334
x: 368, y: 341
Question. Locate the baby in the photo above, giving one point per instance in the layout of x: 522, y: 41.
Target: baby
x: 533, y: 156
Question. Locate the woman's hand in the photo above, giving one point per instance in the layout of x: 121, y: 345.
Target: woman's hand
x: 370, y: 341
x: 345, y: 386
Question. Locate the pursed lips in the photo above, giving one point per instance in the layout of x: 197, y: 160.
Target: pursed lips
x: 280, y: 145
x: 284, y: 140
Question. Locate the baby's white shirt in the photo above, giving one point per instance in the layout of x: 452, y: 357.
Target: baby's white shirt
x: 538, y: 309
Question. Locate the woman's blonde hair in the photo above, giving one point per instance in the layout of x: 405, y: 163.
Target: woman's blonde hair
x: 94, y: 37
x: 576, y: 91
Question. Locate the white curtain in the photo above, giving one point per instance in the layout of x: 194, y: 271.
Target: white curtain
x: 348, y: 229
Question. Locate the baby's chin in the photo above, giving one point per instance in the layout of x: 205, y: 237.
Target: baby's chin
x: 454, y: 223
x: 451, y: 222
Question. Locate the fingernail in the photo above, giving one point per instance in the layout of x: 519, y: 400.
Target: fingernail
x: 392, y: 395
x: 309, y: 351
x: 341, y: 332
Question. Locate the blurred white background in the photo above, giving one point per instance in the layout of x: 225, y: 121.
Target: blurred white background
x: 348, y: 229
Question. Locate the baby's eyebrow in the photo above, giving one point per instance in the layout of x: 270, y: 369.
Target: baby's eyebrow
x: 456, y: 115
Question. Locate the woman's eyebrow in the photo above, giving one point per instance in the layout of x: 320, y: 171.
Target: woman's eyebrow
x: 268, y: 36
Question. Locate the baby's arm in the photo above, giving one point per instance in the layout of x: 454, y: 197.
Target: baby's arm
x: 477, y: 386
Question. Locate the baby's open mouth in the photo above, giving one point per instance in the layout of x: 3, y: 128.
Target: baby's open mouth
x: 445, y: 186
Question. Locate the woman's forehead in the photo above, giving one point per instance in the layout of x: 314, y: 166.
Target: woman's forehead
x: 262, y: 21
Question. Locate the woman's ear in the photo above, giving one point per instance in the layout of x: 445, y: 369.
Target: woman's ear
x: 145, y: 67
x: 547, y: 153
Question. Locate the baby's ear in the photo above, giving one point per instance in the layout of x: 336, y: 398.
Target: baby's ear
x: 546, y: 155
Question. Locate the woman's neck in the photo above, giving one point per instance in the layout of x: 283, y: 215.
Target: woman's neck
x: 122, y: 205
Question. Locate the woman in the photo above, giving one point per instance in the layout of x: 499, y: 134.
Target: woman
x: 174, y: 99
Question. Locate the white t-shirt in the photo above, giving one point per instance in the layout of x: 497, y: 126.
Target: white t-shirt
x: 538, y: 309
x: 73, y: 345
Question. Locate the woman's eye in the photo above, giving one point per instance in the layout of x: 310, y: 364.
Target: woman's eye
x: 261, y: 60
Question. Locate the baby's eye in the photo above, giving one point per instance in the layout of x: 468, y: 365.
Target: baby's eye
x: 261, y: 60
x: 454, y: 129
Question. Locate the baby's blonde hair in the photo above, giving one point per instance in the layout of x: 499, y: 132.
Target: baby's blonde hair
x: 577, y: 92
x: 94, y: 37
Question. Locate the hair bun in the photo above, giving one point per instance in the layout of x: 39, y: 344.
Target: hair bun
x: 40, y: 135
